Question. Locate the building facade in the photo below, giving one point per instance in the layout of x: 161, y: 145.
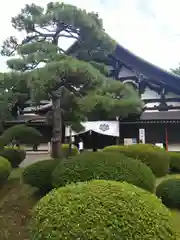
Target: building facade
x: 160, y: 91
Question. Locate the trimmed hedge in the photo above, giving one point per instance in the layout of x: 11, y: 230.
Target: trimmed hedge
x: 14, y: 155
x: 21, y: 151
x: 107, y: 166
x: 3, y: 142
x: 5, y: 170
x: 65, y: 150
x: 39, y: 174
x: 174, y: 162
x: 23, y: 134
x: 169, y: 192
x: 101, y: 210
x: 154, y: 157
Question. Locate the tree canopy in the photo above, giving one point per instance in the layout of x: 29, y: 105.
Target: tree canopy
x: 176, y: 70
x: 45, y: 29
x: 112, y: 100
x: 75, y: 81
x: 57, y: 21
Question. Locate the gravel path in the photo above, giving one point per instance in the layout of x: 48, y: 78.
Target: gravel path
x: 33, y: 157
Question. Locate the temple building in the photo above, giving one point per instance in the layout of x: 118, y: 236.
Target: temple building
x: 160, y: 120
x: 160, y: 91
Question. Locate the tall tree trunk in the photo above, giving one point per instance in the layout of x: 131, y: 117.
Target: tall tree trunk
x: 57, y: 125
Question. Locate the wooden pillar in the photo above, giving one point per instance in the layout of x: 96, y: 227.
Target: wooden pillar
x: 166, y: 138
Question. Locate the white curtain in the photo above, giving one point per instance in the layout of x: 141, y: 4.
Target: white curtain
x: 110, y: 128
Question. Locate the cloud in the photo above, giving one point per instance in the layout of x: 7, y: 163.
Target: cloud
x: 149, y: 28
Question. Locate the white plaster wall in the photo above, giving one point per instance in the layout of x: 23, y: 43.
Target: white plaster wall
x: 175, y: 104
x: 151, y: 111
x: 125, y: 72
x: 155, y: 104
x: 172, y: 95
x: 174, y: 147
x: 150, y: 94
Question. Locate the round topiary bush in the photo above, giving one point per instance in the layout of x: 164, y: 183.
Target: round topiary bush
x: 5, y: 170
x: 107, y: 166
x: 174, y: 162
x: 101, y: 210
x: 169, y: 192
x: 154, y: 157
x: 14, y: 155
x: 65, y: 150
x: 39, y: 174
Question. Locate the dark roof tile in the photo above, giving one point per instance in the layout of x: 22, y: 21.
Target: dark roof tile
x: 161, y: 115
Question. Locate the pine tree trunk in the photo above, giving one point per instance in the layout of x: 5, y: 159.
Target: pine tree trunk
x: 57, y: 126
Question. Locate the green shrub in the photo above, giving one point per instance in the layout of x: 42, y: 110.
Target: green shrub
x: 20, y: 150
x: 107, y: 166
x: 65, y: 150
x: 154, y: 157
x: 174, y: 162
x: 5, y: 170
x: 3, y: 142
x: 101, y: 210
x: 22, y: 153
x: 14, y: 155
x: 22, y: 134
x: 169, y: 192
x: 39, y: 174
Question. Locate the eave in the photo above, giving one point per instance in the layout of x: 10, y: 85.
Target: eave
x: 156, y: 74
x: 147, y: 69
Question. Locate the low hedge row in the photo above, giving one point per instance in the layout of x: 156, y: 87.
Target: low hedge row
x: 107, y: 166
x: 101, y: 210
x: 154, y: 157
x: 39, y: 174
x: 87, y: 166
x: 65, y: 150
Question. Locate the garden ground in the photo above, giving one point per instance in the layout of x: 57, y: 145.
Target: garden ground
x: 16, y: 202
x: 33, y: 157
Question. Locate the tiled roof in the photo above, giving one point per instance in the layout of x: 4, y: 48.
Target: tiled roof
x: 161, y: 115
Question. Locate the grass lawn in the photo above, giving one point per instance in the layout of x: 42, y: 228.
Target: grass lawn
x: 17, y: 200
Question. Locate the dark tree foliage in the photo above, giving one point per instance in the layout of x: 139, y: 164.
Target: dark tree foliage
x: 176, y: 70
x: 112, y: 100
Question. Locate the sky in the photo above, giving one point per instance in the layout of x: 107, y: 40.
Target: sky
x: 148, y: 28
